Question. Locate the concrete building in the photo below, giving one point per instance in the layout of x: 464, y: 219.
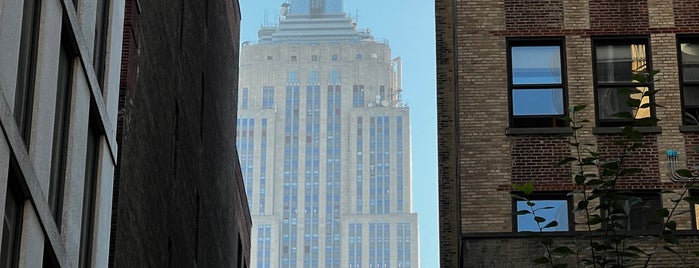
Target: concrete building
x: 179, y: 196
x: 111, y: 163
x: 59, y: 92
x: 495, y: 129
x: 324, y: 143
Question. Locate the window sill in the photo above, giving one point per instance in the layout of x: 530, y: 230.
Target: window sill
x: 538, y: 130
x: 689, y: 128
x: 618, y: 130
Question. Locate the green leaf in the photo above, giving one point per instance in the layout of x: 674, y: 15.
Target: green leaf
x: 672, y: 225
x: 684, y: 173
x: 582, y: 205
x: 628, y: 91
x: 594, y: 219
x: 551, y: 224
x: 539, y: 219
x: 541, y: 260
x: 670, y: 249
x: 691, y: 199
x: 594, y: 182
x: 663, y: 212
x: 635, y: 249
x: 614, y: 165
x: 696, y: 253
x: 625, y: 115
x: 523, y: 212
x: 531, y: 204
x: 527, y: 188
x: 544, y: 208
x: 631, y: 102
x: 579, y: 179
x: 518, y: 197
x: 579, y: 107
x: 567, y: 160
x: 645, y: 122
x: 562, y: 251
x: 640, y: 77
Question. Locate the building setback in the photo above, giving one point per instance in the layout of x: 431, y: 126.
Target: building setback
x: 179, y: 196
x: 324, y: 144
x: 107, y: 162
x: 495, y: 129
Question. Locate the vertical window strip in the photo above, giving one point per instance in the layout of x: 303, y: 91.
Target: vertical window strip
x: 267, y: 97
x: 263, y: 167
x: 312, y: 176
x: 26, y: 70
x: 372, y: 165
x: 290, y: 193
x: 100, y: 45
x: 12, y: 227
x: 244, y: 99
x: 332, y: 252
x: 264, y: 241
x: 89, y: 196
x: 360, y: 168
x: 355, y: 245
x: 399, y: 164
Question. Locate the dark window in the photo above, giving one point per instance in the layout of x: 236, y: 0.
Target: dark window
x: 61, y: 131
x: 549, y: 206
x: 269, y: 57
x: 267, y: 97
x: 358, y: 96
x: 615, y: 63
x: 89, y: 195
x: 688, y: 51
x: 100, y: 48
x: 26, y: 69
x: 641, y: 211
x: 11, y: 229
x: 537, y: 83
x: 244, y: 99
x: 358, y: 56
x: 335, y: 57
x: 314, y: 57
x: 293, y: 58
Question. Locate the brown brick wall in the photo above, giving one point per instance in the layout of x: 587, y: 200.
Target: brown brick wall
x: 518, y: 252
x: 645, y: 158
x: 686, y: 13
x: 527, y: 14
x: 618, y: 16
x: 536, y: 158
x: 691, y: 141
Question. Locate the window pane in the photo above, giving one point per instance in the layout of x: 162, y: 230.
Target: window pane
x: 558, y: 212
x: 691, y: 95
x: 617, y: 63
x: 537, y: 101
x: 536, y: 65
x: 611, y: 102
x: 690, y: 62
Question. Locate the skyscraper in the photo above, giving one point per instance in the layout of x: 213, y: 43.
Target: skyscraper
x: 324, y: 144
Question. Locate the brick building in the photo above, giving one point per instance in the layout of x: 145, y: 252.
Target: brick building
x: 508, y: 69
x: 179, y: 196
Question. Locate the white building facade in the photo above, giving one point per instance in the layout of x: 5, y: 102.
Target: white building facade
x: 324, y: 144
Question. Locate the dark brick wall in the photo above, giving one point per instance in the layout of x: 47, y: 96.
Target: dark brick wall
x: 618, y: 16
x: 686, y: 13
x: 645, y: 158
x: 511, y: 251
x: 534, y: 14
x: 536, y: 158
x: 181, y: 202
x: 691, y: 141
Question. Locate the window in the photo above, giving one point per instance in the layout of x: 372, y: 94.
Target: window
x: 335, y: 57
x: 26, y: 70
x: 269, y: 58
x: 294, y: 58
x: 11, y: 229
x: 549, y: 206
x: 615, y: 63
x: 267, y: 97
x: 89, y: 196
x: 688, y: 51
x: 358, y: 56
x: 537, y: 83
x: 61, y: 131
x: 99, y: 54
x: 641, y: 212
x: 244, y: 99
x: 358, y: 96
x: 314, y: 57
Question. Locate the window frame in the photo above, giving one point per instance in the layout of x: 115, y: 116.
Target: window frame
x: 616, y: 40
x: 685, y: 39
x: 536, y: 121
x: 545, y: 196
x: 645, y: 195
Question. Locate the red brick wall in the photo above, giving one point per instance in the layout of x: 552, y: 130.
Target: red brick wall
x: 618, y: 16
x: 536, y: 158
x: 538, y: 14
x: 691, y: 140
x: 686, y: 13
x: 645, y: 158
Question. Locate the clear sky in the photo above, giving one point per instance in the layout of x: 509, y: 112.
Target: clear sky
x: 408, y: 26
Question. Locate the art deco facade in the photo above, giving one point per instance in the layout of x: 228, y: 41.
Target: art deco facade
x: 324, y: 143
x: 508, y: 70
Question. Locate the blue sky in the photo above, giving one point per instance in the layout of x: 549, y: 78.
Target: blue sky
x: 408, y: 26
